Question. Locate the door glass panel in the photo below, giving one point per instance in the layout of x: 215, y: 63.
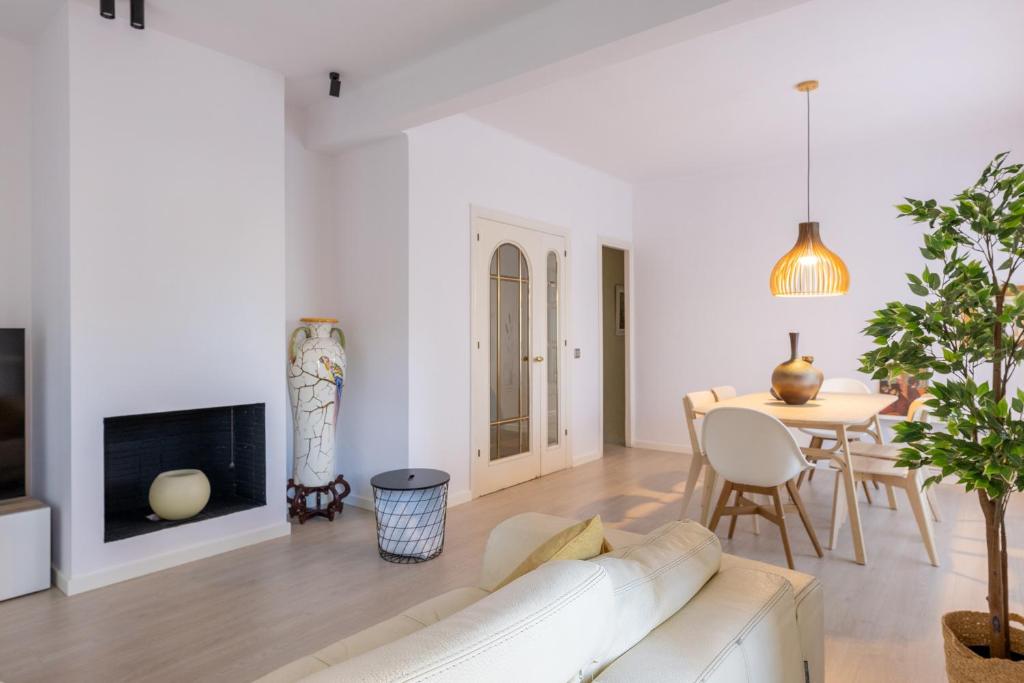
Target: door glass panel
x: 509, y: 347
x: 552, y: 348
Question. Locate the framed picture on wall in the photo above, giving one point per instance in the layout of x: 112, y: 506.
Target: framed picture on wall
x: 906, y: 389
x: 620, y: 310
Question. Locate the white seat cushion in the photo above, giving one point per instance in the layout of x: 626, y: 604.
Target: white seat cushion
x: 740, y: 628
x: 411, y: 620
x: 545, y: 626
x: 654, y: 578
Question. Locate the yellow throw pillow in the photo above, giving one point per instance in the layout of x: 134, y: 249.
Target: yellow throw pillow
x: 579, y: 542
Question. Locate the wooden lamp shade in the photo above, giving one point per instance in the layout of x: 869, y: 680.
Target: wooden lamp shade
x: 809, y: 268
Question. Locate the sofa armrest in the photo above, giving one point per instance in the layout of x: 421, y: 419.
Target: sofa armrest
x: 809, y: 599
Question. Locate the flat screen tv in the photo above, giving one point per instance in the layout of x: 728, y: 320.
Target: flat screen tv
x: 12, y: 414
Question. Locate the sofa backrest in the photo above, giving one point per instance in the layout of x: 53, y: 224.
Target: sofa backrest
x: 548, y: 625
x: 655, y: 578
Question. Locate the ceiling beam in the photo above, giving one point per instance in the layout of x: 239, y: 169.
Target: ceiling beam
x: 563, y: 39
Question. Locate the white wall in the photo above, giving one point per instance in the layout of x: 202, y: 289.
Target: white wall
x: 177, y: 262
x: 309, y: 241
x: 370, y: 297
x: 453, y: 164
x: 15, y: 182
x: 706, y: 244
x: 51, y: 285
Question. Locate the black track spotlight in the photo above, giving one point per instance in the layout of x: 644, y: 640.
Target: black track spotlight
x: 107, y: 9
x: 138, y: 18
x: 335, y: 84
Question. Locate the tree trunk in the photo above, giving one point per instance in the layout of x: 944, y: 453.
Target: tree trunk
x: 998, y: 586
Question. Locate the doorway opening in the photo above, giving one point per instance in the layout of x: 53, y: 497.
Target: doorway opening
x: 615, y: 323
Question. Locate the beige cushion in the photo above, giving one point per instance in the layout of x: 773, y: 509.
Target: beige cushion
x: 544, y: 626
x: 580, y: 541
x: 514, y: 539
x: 411, y: 620
x: 740, y: 628
x: 654, y: 578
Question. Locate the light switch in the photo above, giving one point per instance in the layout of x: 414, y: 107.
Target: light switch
x: 575, y: 353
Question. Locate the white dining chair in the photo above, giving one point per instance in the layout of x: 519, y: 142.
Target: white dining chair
x: 917, y: 411
x: 876, y: 462
x: 753, y: 452
x: 693, y: 403
x: 845, y: 385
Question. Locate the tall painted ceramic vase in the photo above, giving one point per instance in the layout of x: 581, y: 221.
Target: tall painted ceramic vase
x: 316, y: 376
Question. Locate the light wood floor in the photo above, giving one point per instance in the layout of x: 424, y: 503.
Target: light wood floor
x: 238, y: 615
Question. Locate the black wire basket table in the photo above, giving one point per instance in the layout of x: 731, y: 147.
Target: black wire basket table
x: 410, y: 507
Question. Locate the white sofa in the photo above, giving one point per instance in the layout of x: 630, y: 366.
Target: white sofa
x: 666, y: 606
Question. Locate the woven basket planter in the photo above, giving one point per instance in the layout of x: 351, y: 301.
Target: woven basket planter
x: 960, y: 630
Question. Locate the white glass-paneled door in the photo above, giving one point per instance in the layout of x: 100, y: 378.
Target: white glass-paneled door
x: 519, y: 351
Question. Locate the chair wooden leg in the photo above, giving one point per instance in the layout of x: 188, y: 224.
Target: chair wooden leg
x: 924, y: 521
x: 838, y: 511
x: 800, y: 479
x: 816, y: 442
x: 696, y: 464
x: 879, y: 435
x: 933, y: 503
x: 732, y: 521
x: 867, y: 491
x: 892, y: 497
x: 795, y: 495
x: 781, y: 512
x: 756, y: 518
x: 708, y: 494
x: 722, y: 501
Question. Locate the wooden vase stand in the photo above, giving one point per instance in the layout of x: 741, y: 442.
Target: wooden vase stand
x: 298, y: 506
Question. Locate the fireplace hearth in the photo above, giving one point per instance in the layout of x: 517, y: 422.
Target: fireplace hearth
x: 227, y: 443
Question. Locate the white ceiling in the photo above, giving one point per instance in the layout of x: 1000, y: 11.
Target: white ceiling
x: 304, y: 39
x: 901, y: 67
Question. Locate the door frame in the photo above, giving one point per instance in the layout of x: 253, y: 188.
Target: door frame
x: 476, y: 438
x: 626, y: 246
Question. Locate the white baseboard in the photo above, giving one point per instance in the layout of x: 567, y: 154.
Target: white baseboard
x: 459, y: 497
x: 578, y: 460
x: 361, y: 502
x: 87, y: 582
x: 59, y: 580
x: 365, y: 503
x: 662, y: 446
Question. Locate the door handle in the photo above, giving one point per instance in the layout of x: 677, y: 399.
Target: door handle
x: 538, y: 359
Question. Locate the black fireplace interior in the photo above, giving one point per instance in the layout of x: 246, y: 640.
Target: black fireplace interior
x: 228, y: 444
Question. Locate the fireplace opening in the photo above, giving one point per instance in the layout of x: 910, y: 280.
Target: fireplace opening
x: 228, y: 444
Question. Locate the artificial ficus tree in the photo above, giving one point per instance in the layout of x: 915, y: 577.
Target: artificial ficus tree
x: 965, y: 334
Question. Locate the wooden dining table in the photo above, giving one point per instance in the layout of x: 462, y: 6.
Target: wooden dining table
x: 833, y: 412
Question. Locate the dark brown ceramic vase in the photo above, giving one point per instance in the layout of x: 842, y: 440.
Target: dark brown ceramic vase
x: 795, y: 381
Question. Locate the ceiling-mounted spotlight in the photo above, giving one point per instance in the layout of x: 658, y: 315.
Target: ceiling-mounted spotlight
x: 335, y: 84
x: 107, y: 9
x: 138, y: 18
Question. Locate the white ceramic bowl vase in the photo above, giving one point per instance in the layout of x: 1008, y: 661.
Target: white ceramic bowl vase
x: 179, y: 494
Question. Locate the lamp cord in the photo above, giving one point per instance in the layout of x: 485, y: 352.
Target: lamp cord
x: 808, y: 156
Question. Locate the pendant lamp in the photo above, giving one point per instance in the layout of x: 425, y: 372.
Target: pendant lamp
x: 809, y: 268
